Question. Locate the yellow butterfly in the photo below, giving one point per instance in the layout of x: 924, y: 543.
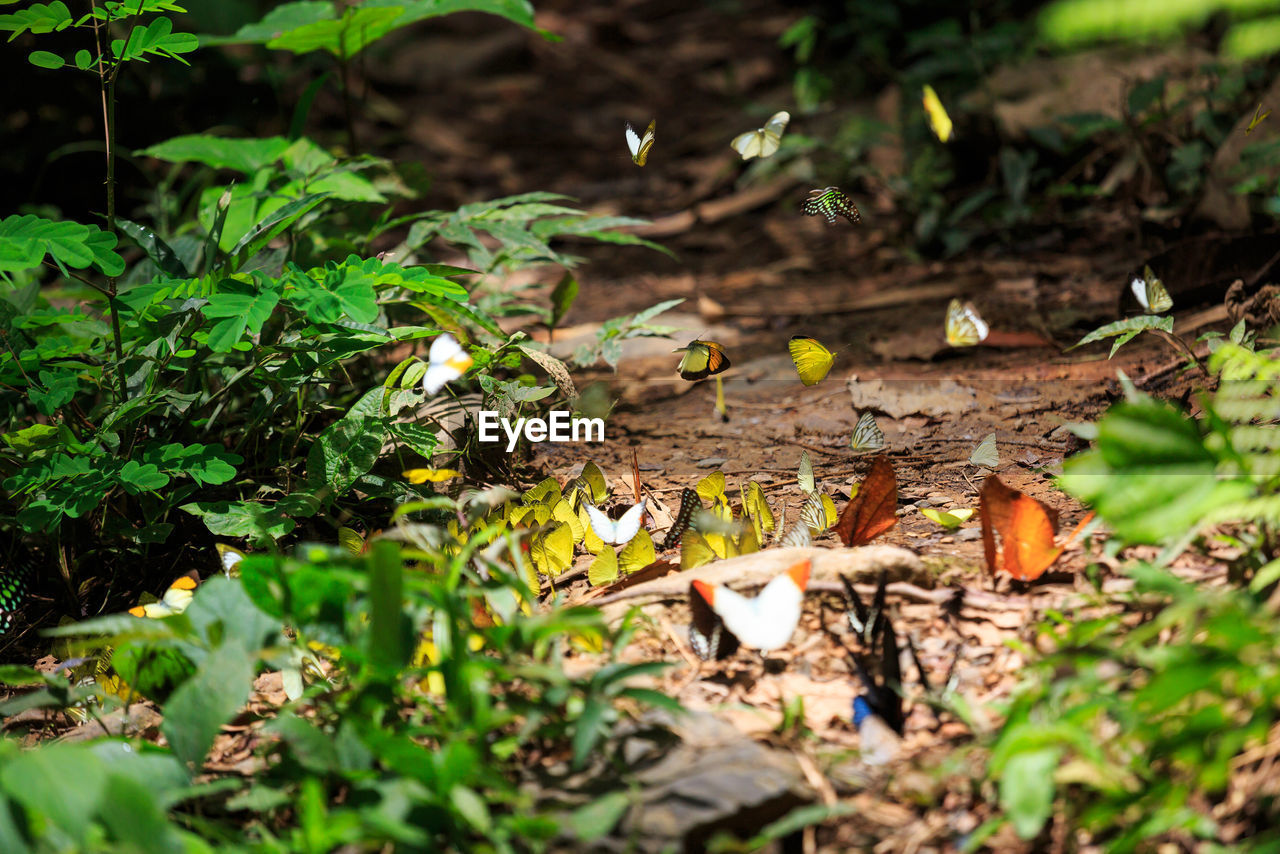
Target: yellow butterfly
x: 938, y: 118
x: 701, y: 359
x: 812, y: 360
x: 965, y: 327
x: 867, y: 435
x: 762, y: 142
x: 175, y: 600
x: 640, y: 145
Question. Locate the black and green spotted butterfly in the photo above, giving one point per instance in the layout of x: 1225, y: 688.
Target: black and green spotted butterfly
x: 15, y: 583
x: 831, y: 203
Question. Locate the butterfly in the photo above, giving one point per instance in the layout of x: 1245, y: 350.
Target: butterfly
x: 965, y: 327
x: 877, y: 712
x: 768, y: 621
x: 446, y: 362
x: 701, y: 359
x: 812, y: 360
x: 15, y: 582
x: 638, y: 145
x: 689, y: 502
x: 872, y: 511
x: 762, y: 142
x: 1258, y: 116
x: 797, y: 536
x: 637, y: 554
x: 1025, y: 528
x: 986, y: 455
x: 707, y: 633
x: 818, y: 513
x: 175, y: 599
x: 831, y: 203
x: 867, y: 435
x: 229, y: 559
x: 621, y: 531
x: 1151, y: 292
x: 864, y: 621
x: 939, y: 121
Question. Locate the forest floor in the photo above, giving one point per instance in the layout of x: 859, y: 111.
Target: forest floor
x: 492, y: 111
x: 513, y: 117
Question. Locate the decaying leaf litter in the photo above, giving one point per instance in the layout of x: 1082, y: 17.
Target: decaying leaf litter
x: 754, y: 272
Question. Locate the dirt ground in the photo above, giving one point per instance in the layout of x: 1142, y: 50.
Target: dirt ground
x: 517, y: 115
x: 492, y: 110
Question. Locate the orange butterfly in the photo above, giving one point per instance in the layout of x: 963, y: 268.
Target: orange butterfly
x: 1026, y: 528
x: 873, y: 510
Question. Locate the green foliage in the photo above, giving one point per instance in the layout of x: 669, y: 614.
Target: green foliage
x: 310, y: 25
x: 414, y: 735
x: 1132, y: 731
x: 1157, y: 475
x: 1126, y: 330
x: 1073, y: 22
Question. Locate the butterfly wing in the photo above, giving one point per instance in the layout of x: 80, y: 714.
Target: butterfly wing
x: 873, y: 510
x: 1155, y: 297
x: 771, y: 133
x: 986, y: 454
x: 633, y: 141
x: 965, y: 327
x: 749, y: 144
x: 602, y: 525
x: 717, y: 360
x: 830, y: 202
x: 707, y: 633
x: 642, y: 155
x: 804, y: 474
x: 1028, y: 544
x: 867, y: 435
x: 446, y: 362
x: 229, y: 558
x: 812, y: 360
x: 629, y: 525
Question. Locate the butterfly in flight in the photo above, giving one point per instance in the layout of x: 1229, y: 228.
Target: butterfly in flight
x: 701, y: 359
x: 811, y: 358
x: 762, y: 142
x: 831, y: 203
x: 1151, y: 293
x: 965, y: 327
x: 175, y: 599
x: 620, y: 531
x: 446, y: 362
x: 939, y: 121
x: 768, y: 621
x: 640, y: 145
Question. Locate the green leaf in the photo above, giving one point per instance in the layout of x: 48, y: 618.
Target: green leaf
x: 38, y: 779
x: 283, y: 18
x: 255, y: 520
x: 595, y: 819
x: 31, y: 237
x: 206, y: 701
x: 348, y: 448
x: 45, y: 59
x: 157, y: 250
x: 131, y: 813
x: 37, y: 18
x: 243, y: 155
x: 1126, y: 328
x: 156, y: 38
x: 271, y: 225
x: 137, y: 477
x: 388, y: 627
x: 562, y: 297
x: 358, y: 27
x: 519, y: 11
x: 244, y: 308
x: 471, y: 807
x: 1027, y: 789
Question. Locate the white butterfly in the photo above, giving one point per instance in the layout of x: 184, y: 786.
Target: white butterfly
x: 867, y: 435
x: 986, y: 454
x: 768, y: 621
x: 447, y: 361
x: 620, y: 531
x: 175, y: 601
x: 762, y: 142
x: 638, y: 145
x: 230, y: 558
